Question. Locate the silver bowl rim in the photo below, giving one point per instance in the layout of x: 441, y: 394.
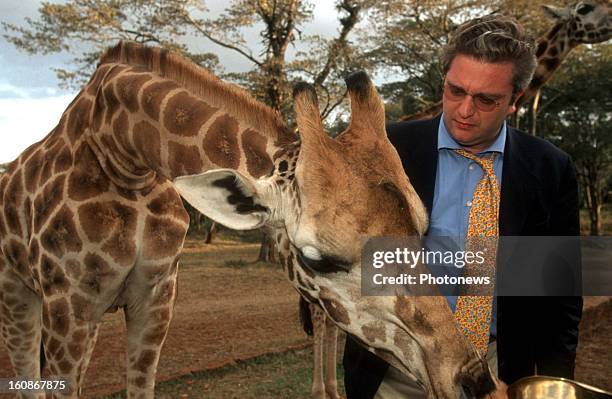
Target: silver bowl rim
x: 560, y: 379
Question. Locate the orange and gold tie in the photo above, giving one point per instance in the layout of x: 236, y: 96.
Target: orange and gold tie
x: 473, y: 313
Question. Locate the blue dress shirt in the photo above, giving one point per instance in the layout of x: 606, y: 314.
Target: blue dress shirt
x: 456, y: 179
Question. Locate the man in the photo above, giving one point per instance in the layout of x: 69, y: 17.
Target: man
x: 487, y: 64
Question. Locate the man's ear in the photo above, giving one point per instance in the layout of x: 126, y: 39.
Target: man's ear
x: 225, y: 196
x: 513, y: 107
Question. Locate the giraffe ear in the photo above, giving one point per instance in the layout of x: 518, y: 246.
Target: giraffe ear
x: 225, y: 196
x: 556, y: 13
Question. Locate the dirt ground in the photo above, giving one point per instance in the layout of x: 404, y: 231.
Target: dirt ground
x: 230, y: 309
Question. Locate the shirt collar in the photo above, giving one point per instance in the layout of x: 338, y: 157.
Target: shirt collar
x: 445, y: 141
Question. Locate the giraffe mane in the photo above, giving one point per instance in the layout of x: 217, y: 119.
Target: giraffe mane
x: 201, y: 82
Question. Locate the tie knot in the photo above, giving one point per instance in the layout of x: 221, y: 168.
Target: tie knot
x: 486, y: 162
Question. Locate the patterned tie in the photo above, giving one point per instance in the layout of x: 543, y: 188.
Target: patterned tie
x: 473, y: 313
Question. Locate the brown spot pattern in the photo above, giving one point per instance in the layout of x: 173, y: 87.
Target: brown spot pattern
x: 61, y: 235
x: 153, y: 95
x: 87, y: 179
x: 168, y: 203
x: 374, y: 331
x: 97, y: 219
x: 290, y: 260
x: 63, y: 160
x: 128, y: 87
x: 155, y: 335
x: 121, y: 132
x: 12, y: 200
x: 92, y: 86
x: 148, y: 142
x: 185, y: 114
x: 404, y: 343
x: 257, y: 159
x: 65, y: 367
x: 221, y: 144
x: 162, y: 238
x: 34, y: 252
x: 17, y: 255
x: 31, y: 171
x: 78, y: 119
x: 121, y: 245
x: 141, y: 382
x: 47, y: 201
x: 82, y: 309
x: 59, y: 312
x: 333, y: 307
x: 111, y: 102
x: 96, y: 275
x: 53, y: 279
x: 184, y: 160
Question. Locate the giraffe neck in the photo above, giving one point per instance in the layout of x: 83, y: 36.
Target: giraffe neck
x: 552, y: 49
x: 142, y: 125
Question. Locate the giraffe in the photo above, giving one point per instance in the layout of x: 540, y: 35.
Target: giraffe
x: 325, y: 345
x: 584, y: 22
x: 92, y: 220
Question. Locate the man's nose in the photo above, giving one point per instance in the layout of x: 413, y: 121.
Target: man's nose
x: 466, y: 108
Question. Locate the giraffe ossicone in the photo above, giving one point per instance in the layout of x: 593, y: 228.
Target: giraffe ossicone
x: 91, y: 219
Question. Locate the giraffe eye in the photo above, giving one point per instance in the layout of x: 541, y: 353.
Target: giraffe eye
x: 325, y: 264
x: 311, y: 253
x: 584, y: 9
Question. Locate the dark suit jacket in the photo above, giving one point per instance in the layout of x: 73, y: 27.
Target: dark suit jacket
x: 539, y: 197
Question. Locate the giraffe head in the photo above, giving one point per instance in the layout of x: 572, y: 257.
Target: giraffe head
x: 587, y: 21
x: 323, y: 198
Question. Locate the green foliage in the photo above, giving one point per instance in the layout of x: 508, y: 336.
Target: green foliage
x: 577, y: 114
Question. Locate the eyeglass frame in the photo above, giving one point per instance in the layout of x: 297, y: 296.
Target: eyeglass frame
x: 477, y: 98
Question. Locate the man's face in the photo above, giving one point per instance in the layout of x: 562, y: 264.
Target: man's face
x: 477, y: 99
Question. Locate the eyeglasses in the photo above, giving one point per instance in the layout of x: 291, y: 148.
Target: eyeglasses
x: 481, y: 101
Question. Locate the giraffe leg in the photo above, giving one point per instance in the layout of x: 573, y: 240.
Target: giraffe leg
x: 20, y: 320
x: 318, y: 328
x: 331, y: 343
x: 148, y: 314
x: 68, y: 342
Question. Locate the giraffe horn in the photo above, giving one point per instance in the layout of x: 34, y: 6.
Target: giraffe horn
x: 308, y: 119
x: 367, y: 109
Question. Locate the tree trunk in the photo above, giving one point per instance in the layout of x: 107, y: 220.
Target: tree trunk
x: 595, y: 217
x: 211, y: 233
x: 594, y: 209
x: 534, y: 114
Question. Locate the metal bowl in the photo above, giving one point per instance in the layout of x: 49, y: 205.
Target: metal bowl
x: 541, y: 387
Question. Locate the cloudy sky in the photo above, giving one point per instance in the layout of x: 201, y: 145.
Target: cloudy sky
x: 31, y: 101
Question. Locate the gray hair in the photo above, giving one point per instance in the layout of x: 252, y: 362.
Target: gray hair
x: 493, y: 39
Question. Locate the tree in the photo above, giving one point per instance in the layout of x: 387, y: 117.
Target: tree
x: 577, y: 109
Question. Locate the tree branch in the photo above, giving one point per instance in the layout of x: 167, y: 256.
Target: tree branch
x: 213, y: 39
